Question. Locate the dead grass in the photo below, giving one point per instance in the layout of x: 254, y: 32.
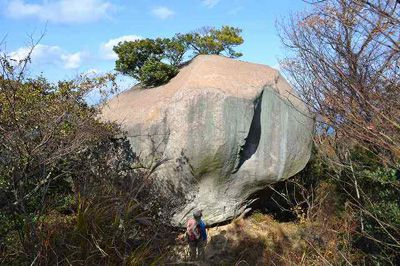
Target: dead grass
x: 260, y: 240
x: 323, y: 238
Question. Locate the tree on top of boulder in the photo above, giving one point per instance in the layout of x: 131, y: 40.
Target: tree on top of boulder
x: 133, y: 55
x: 214, y: 41
x: 154, y: 62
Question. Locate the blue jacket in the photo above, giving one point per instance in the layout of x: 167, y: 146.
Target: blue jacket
x: 203, y: 231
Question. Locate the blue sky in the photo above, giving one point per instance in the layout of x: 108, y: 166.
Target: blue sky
x: 79, y: 34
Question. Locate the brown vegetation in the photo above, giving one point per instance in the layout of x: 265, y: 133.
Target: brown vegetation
x: 262, y: 240
x: 69, y: 191
x: 345, y: 65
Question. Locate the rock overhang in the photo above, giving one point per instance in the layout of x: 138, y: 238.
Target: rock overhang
x: 238, y: 125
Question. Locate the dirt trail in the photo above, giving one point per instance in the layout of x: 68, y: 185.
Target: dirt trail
x: 258, y: 240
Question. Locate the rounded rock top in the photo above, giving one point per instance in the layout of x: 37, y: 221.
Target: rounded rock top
x: 204, y: 72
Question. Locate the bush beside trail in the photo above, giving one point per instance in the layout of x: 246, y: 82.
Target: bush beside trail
x: 69, y: 193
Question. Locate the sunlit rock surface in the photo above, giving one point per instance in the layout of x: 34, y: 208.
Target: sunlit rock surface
x: 225, y: 129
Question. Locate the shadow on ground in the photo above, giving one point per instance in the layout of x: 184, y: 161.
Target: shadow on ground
x: 243, y: 242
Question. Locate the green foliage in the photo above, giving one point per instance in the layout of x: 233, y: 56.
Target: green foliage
x: 359, y: 190
x: 155, y: 72
x: 369, y: 191
x: 133, y: 55
x: 154, y: 62
x: 379, y: 207
x: 174, y: 50
x: 214, y: 41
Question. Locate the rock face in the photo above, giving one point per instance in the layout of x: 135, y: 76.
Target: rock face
x: 226, y: 129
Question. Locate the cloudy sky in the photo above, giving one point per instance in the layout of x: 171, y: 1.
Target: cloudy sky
x: 79, y: 34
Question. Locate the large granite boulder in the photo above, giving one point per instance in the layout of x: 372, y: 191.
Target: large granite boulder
x: 224, y: 129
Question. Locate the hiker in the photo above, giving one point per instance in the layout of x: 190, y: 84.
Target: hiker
x: 196, y: 235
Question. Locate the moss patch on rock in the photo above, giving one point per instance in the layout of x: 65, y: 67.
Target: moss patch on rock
x: 210, y: 164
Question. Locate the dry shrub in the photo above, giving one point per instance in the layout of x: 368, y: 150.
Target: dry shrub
x: 344, y: 63
x: 69, y: 193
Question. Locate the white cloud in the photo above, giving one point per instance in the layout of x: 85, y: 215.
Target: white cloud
x: 107, y: 48
x: 49, y: 55
x: 61, y: 11
x: 210, y: 3
x: 40, y: 52
x: 72, y: 61
x: 163, y: 12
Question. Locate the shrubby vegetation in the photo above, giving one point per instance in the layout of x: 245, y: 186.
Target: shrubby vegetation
x: 154, y: 62
x: 68, y: 190
x: 344, y: 64
x: 359, y: 202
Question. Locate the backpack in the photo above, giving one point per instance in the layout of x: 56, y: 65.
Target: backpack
x: 192, y: 230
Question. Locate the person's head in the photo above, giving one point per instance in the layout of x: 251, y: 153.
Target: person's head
x: 197, y: 215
